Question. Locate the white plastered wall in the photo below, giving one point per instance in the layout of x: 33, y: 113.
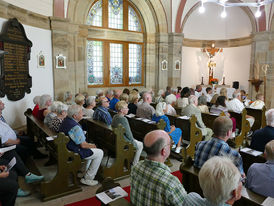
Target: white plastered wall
x: 42, y: 78
x: 233, y: 62
x: 43, y: 7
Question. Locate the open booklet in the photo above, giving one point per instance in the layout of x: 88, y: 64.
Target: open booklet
x: 5, y: 149
x: 251, y: 151
x: 111, y: 195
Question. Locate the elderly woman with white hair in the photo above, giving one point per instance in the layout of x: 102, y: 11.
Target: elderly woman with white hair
x: 91, y: 103
x: 171, y: 101
x: 56, y: 121
x: 78, y: 144
x: 220, y: 181
x: 122, y: 109
x: 174, y: 133
x: 52, y: 112
x: 160, y: 97
x: 68, y: 98
x: 44, y: 102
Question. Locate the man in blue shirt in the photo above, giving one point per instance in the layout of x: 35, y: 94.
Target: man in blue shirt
x: 101, y: 113
x: 115, y: 99
x: 217, y: 146
x: 260, y: 176
x: 78, y: 144
x: 262, y: 136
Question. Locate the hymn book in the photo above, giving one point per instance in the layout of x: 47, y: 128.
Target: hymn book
x: 111, y: 195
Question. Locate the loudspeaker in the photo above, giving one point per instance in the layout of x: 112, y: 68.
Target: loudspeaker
x: 235, y: 85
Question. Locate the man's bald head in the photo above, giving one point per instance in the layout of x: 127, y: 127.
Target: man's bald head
x: 155, y: 141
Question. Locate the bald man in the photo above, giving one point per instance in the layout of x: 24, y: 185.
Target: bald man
x: 151, y: 181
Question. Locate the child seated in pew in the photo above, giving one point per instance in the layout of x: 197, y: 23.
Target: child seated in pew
x: 122, y: 109
x: 174, y: 133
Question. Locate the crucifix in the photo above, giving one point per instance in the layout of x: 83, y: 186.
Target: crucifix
x: 211, y: 52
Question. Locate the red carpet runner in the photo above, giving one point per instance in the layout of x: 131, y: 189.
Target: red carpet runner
x: 95, y: 202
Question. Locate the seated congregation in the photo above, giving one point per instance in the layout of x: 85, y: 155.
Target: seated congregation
x: 224, y: 125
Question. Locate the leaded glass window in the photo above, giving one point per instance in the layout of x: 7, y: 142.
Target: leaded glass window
x: 95, y: 14
x: 133, y: 20
x: 95, y: 62
x: 135, y: 63
x: 116, y: 63
x: 115, y: 14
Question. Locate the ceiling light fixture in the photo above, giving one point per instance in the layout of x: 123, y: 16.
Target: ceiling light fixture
x: 202, y: 8
x: 258, y: 13
x: 223, y: 14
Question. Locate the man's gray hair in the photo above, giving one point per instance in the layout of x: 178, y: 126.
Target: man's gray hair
x: 236, y: 94
x: 218, y: 177
x: 170, y: 99
x: 36, y: 100
x: 99, y: 91
x: 270, y: 118
x: 61, y: 108
x: 74, y: 110
x: 192, y: 99
x: 160, y: 92
x: 202, y: 100
x: 90, y: 100
x: 43, y: 100
x: 109, y: 91
x: 155, y: 149
x: 146, y: 95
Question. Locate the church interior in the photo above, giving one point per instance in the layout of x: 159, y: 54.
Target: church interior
x: 83, y: 46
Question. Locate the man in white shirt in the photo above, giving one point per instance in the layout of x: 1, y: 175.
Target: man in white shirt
x: 237, y: 106
x: 258, y: 103
x: 198, y: 91
x: 209, y: 92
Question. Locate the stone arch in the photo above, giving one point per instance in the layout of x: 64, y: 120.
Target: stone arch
x: 179, y: 27
x: 153, y: 21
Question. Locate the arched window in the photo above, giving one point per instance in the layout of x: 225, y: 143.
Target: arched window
x: 112, y: 61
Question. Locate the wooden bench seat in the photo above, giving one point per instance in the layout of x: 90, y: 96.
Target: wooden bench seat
x: 191, y: 184
x: 68, y: 163
x: 113, y: 142
x: 259, y: 115
x: 249, y: 159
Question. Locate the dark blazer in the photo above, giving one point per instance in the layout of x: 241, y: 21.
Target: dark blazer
x: 261, y: 137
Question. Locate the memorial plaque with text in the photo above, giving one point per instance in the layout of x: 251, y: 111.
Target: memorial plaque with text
x: 14, y: 77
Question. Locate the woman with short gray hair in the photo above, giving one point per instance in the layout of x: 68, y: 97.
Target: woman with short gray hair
x: 91, y: 103
x: 202, y: 104
x: 44, y: 103
x: 56, y: 121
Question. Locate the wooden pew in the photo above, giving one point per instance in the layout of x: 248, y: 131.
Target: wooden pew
x: 190, y: 134
x: 68, y: 163
x: 191, y: 184
x: 259, y: 115
x: 112, y: 140
x: 244, y: 125
x: 249, y: 159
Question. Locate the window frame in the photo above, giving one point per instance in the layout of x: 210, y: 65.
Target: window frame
x: 106, y: 48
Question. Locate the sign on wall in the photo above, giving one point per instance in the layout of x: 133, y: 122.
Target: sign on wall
x: 14, y: 65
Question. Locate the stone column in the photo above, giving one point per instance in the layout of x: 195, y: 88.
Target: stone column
x: 175, y: 43
x: 263, y: 52
x: 162, y: 48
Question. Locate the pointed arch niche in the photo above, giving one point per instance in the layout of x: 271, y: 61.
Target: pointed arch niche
x: 70, y: 37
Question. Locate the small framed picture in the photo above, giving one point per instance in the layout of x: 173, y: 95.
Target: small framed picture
x: 61, y: 62
x: 41, y: 60
x: 164, y: 65
x: 177, y: 65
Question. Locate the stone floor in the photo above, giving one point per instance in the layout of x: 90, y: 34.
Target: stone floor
x: 87, y: 191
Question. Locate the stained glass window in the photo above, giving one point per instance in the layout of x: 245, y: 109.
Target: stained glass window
x: 115, y: 14
x: 116, y: 63
x: 133, y: 20
x: 95, y: 14
x: 95, y: 62
x: 135, y: 63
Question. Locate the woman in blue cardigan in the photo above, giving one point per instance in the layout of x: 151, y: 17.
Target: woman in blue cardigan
x: 174, y: 133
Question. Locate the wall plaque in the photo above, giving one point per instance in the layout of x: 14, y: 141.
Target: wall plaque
x: 14, y: 77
